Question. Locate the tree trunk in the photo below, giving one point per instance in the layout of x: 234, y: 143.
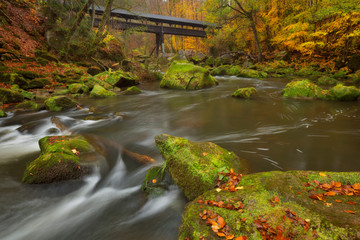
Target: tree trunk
x: 256, y: 38
x: 101, y: 33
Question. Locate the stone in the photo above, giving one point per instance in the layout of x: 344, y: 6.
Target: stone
x: 344, y: 93
x: 10, y: 96
x: 132, y: 91
x: 301, y: 89
x: 199, y: 57
x: 244, y: 92
x: 187, y: 76
x: 194, y: 166
x: 78, y: 88
x: 42, y: 54
x: 156, y: 182
x: 100, y: 92
x: 59, y: 103
x: 61, y: 158
x: 28, y: 105
x: 279, y: 204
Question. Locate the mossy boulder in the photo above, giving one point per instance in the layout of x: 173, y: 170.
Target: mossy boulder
x: 344, y: 93
x: 10, y: 96
x: 194, y: 166
x: 279, y: 205
x: 326, y: 80
x: 187, y: 76
x: 38, y: 83
x: 29, y: 75
x: 59, y: 103
x: 28, y: 105
x: 118, y: 79
x: 100, y: 92
x: 132, y: 91
x: 2, y: 113
x: 156, y: 182
x: 308, y: 71
x: 244, y: 92
x: 252, y: 73
x: 230, y: 70
x: 78, y: 88
x: 11, y: 78
x: 42, y: 54
x: 61, y: 158
x: 301, y: 89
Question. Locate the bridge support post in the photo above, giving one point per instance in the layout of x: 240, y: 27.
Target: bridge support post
x: 160, y: 46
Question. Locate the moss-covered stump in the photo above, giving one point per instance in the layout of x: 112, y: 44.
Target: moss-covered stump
x: 279, y: 205
x: 187, y: 76
x: 78, y: 88
x: 194, y: 166
x: 157, y: 181
x: 244, y: 92
x: 100, y: 92
x: 132, y: 91
x: 301, y: 89
x: 10, y: 96
x: 59, y: 103
x: 61, y: 158
x: 344, y: 93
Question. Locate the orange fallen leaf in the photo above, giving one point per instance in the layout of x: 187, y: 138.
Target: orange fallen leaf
x: 242, y: 238
x: 231, y: 236
x: 337, y: 200
x: 79, y: 167
x: 356, y: 186
x: 204, y: 154
x: 351, y: 202
x: 154, y: 180
x: 338, y: 184
x: 220, y: 234
x: 330, y: 193
x: 349, y: 211
x: 322, y: 174
x: 221, y: 222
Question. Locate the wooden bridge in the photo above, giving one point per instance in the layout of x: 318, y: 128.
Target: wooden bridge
x: 152, y: 23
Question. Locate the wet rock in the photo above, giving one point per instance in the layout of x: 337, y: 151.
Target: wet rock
x: 2, y: 113
x: 132, y: 91
x: 118, y: 79
x: 278, y: 204
x: 344, y: 93
x: 301, y: 89
x: 194, y: 166
x: 10, y: 96
x: 199, y: 57
x: 28, y: 105
x: 157, y: 181
x: 226, y: 59
x: 100, y: 92
x: 187, y: 76
x: 230, y: 70
x: 59, y: 103
x: 244, y: 92
x: 62, y: 158
x: 78, y: 88
x: 326, y: 80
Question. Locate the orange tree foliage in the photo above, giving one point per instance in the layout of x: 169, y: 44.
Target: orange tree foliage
x: 315, y: 28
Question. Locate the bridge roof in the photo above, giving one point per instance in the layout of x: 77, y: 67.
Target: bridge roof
x: 121, y: 13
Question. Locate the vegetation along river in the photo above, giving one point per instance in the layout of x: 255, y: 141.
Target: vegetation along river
x: 272, y: 133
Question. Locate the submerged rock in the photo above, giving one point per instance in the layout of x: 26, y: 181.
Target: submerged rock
x: 194, y: 166
x: 61, y: 158
x: 59, y: 103
x: 187, y: 76
x: 244, y: 92
x: 156, y: 182
x: 281, y: 205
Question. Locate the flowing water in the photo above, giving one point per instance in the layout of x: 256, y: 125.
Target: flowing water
x: 272, y: 133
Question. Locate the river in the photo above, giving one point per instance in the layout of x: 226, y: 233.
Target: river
x: 272, y: 133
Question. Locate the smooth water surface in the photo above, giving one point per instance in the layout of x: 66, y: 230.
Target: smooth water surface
x: 270, y: 132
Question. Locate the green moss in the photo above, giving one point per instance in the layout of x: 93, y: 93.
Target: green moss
x: 187, y: 76
x: 244, y: 92
x: 118, y: 78
x: 59, y: 103
x: 38, y: 83
x: 132, y: 91
x: 29, y: 74
x: 308, y: 71
x: 344, y: 93
x: 156, y: 181
x: 229, y: 70
x: 2, y: 113
x: 329, y: 222
x: 10, y: 96
x: 301, y: 89
x: 326, y: 80
x: 60, y: 160
x: 194, y: 166
x: 251, y: 73
x: 78, y: 88
x: 100, y: 92
x: 28, y: 105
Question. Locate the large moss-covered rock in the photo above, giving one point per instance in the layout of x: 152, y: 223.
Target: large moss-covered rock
x: 244, y: 92
x: 279, y: 205
x: 229, y: 70
x: 118, y: 78
x: 10, y: 96
x: 61, y: 158
x: 194, y: 166
x: 344, y: 93
x: 100, y: 92
x: 251, y: 73
x: 2, y: 113
x: 28, y: 105
x: 78, y: 88
x: 59, y: 103
x: 301, y: 89
x: 187, y: 76
x: 38, y: 83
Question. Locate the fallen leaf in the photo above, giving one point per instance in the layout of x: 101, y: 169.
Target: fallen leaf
x: 231, y: 236
x: 220, y: 234
x: 322, y: 174
x: 349, y: 211
x: 221, y: 222
x: 337, y: 200
x: 79, y: 167
x: 218, y: 189
x: 351, y: 202
x: 330, y: 193
x: 239, y: 188
x: 356, y: 186
x: 204, y: 154
x: 154, y: 180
